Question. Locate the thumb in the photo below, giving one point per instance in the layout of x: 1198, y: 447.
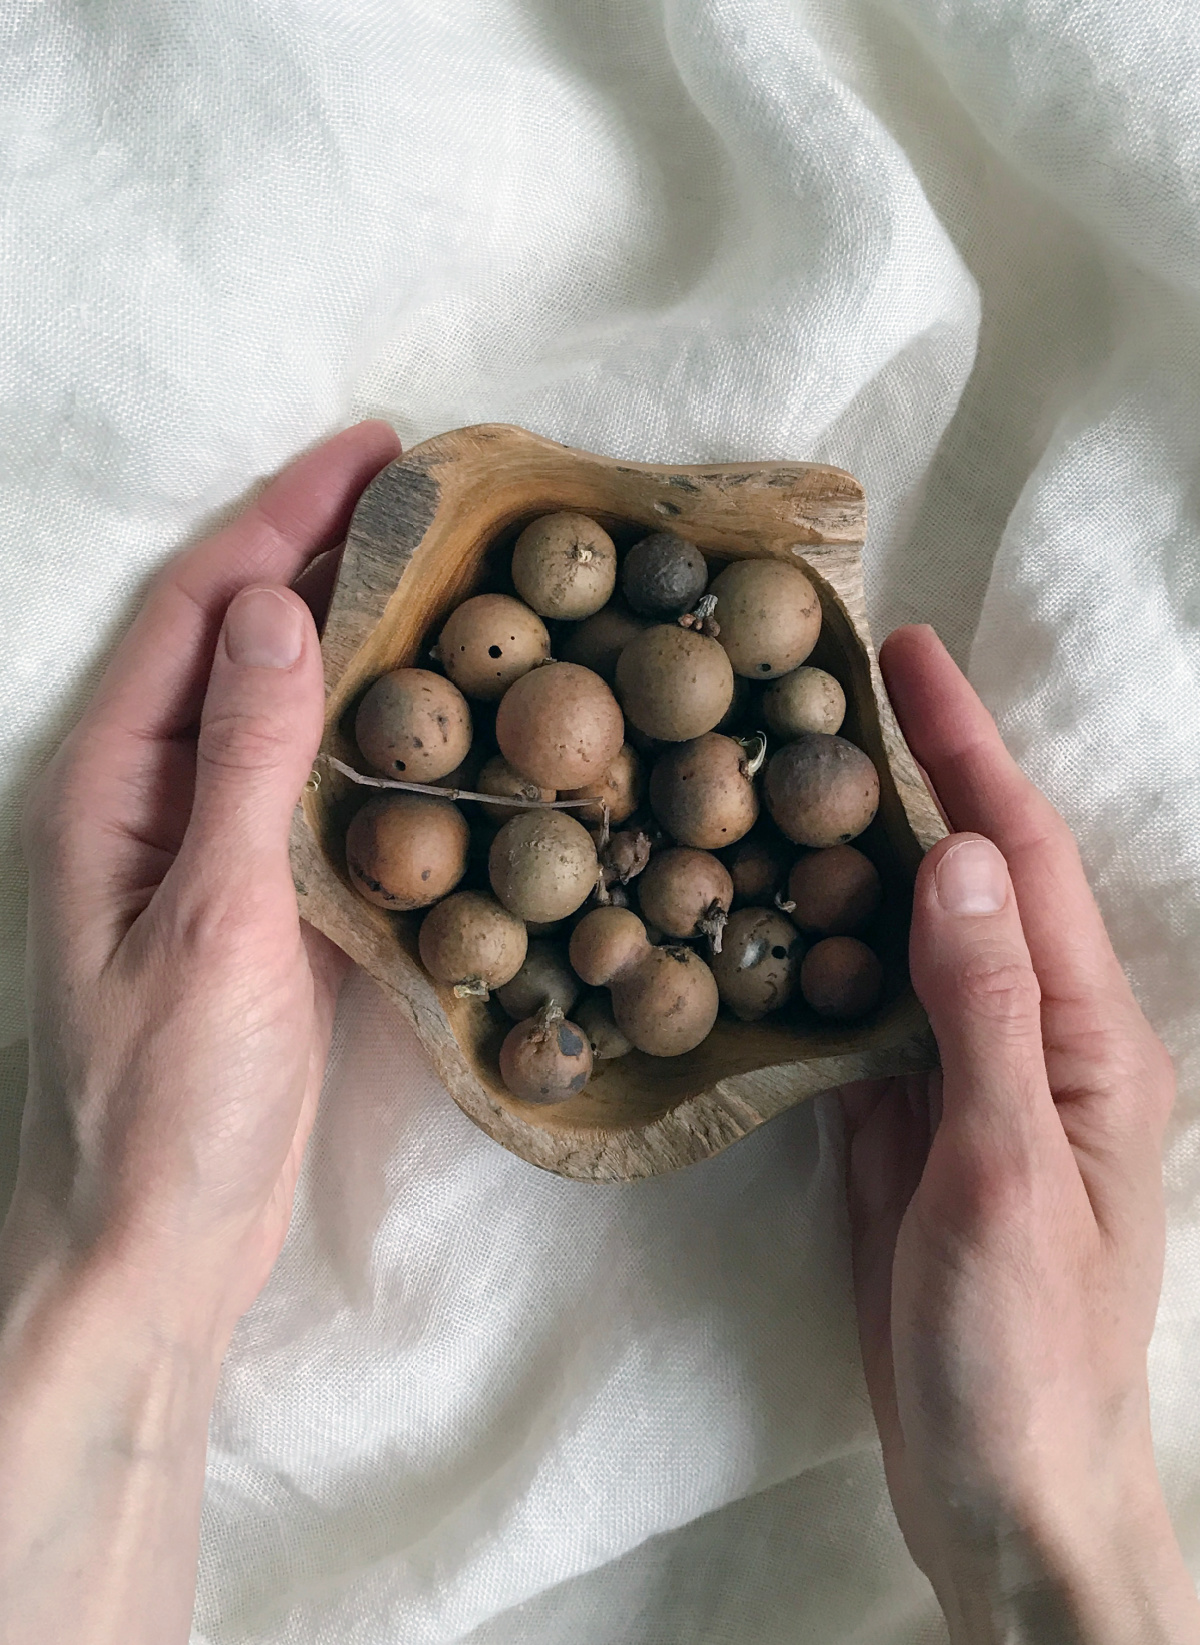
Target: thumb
x: 259, y: 731
x: 971, y: 969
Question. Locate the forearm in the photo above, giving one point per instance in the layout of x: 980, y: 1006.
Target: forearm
x: 105, y: 1394
x: 1081, y: 1581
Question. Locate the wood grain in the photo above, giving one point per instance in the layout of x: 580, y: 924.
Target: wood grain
x: 433, y: 528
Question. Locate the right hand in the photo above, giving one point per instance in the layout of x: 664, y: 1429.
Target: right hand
x: 1007, y: 1217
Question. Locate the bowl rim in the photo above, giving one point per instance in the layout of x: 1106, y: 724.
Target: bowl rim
x: 810, y: 513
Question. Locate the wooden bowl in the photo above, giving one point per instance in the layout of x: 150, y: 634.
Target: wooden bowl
x: 435, y: 527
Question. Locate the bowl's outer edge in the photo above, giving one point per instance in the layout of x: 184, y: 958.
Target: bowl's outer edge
x: 819, y: 514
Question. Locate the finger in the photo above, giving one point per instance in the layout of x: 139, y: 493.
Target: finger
x: 259, y: 731
x: 972, y: 972
x: 126, y: 769
x: 154, y: 686
x: 1087, y: 1003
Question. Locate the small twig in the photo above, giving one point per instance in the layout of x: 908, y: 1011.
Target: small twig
x: 754, y: 761
x: 548, y: 1015
x: 471, y: 988
x: 449, y: 793
x: 701, y: 617
x: 712, y: 924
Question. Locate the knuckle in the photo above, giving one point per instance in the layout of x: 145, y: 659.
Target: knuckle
x: 233, y: 919
x: 1045, y: 824
x: 1115, y: 1068
x: 1136, y: 1072
x: 1000, y: 988
x: 238, y: 741
x: 1056, y: 829
x: 998, y: 1191
x: 49, y: 816
x: 223, y: 925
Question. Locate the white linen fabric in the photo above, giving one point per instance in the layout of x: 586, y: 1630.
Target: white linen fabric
x: 952, y: 245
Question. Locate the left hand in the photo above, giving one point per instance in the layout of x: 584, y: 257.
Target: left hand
x: 180, y: 1013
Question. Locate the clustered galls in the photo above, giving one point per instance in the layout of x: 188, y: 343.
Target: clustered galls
x: 624, y: 804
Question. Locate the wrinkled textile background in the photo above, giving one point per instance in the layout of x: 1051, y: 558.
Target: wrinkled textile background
x: 952, y: 245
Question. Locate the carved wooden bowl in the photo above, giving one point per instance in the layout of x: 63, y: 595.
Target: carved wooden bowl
x: 435, y: 527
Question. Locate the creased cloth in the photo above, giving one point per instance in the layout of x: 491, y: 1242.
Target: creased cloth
x: 951, y: 245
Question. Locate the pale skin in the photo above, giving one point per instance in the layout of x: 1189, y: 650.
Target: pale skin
x: 1006, y: 1212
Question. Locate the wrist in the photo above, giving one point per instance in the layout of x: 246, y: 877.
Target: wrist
x: 136, y: 1300
x: 106, y: 1388
x: 1101, y: 1570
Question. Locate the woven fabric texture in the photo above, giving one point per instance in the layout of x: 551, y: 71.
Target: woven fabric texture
x: 951, y: 246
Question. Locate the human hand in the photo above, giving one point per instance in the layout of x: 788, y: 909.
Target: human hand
x: 179, y: 1011
x: 1007, y: 1218
x: 179, y: 1020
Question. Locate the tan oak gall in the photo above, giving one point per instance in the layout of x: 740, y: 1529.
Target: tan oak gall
x: 488, y: 642
x: 821, y: 790
x: 564, y: 566
x: 606, y: 942
x: 594, y: 1014
x: 674, y: 683
x: 841, y: 977
x: 667, y: 1004
x: 759, y: 962
x: 413, y: 724
x: 469, y: 941
x: 598, y: 641
x: 546, y: 1059
x: 543, y: 865
x: 498, y: 777
x: 560, y: 726
x: 619, y: 792
x: 686, y: 893
x: 769, y: 614
x: 807, y: 699
x: 663, y: 575
x: 407, y: 850
x: 702, y: 792
x: 834, y: 892
x: 625, y: 856
x: 758, y: 867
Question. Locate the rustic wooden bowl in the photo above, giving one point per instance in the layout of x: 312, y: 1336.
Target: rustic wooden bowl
x: 436, y: 526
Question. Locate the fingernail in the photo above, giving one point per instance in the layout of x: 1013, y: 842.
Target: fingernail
x: 263, y: 630
x: 971, y: 878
